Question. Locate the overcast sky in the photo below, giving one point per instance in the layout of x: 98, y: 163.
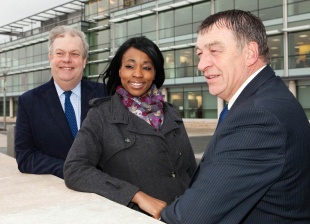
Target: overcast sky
x: 13, y: 10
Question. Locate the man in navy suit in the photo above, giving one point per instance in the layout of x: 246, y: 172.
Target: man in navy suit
x: 256, y: 168
x: 43, y: 136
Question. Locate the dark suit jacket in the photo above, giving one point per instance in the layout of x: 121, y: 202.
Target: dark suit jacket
x: 256, y: 168
x: 42, y: 134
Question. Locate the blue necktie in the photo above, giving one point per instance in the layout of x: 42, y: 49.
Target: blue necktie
x: 69, y: 111
x: 223, y: 114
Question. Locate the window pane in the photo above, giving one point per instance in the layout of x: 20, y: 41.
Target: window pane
x: 303, y: 93
x: 46, y: 75
x: 192, y: 104
x: 134, y: 27
x: 93, y: 8
x: 120, y: 31
x: 222, y: 5
x: 30, y: 80
x: 270, y: 13
x: 15, y: 60
x: 297, y: 7
x: 176, y: 99
x: 247, y: 5
x: 169, y: 64
x: 201, y: 11
x: 149, y: 31
x: 103, y: 5
x: 263, y: 4
x: 299, y: 49
x: 184, y: 63
x: 276, y: 51
x: 37, y: 52
x: 183, y: 16
x: 209, y: 105
x: 166, y: 24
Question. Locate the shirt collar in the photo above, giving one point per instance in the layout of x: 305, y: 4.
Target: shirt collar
x: 235, y: 96
x: 76, y: 90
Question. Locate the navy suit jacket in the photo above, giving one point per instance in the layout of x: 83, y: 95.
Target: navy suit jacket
x: 42, y: 133
x: 256, y: 168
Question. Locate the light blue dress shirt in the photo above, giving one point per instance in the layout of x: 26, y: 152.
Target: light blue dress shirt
x: 75, y: 99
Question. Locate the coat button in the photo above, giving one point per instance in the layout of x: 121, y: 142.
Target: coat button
x: 172, y: 174
x: 127, y: 140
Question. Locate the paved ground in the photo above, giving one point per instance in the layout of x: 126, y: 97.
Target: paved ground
x: 3, y: 143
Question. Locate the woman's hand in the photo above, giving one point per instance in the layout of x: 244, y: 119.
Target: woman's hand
x: 149, y: 204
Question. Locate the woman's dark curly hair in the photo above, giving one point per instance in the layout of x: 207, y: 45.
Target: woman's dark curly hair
x: 111, y: 73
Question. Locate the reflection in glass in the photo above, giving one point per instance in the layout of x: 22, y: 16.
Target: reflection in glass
x: 194, y: 102
x: 166, y: 24
x: 297, y: 7
x: 169, y: 64
x: 276, y: 51
x: 299, y: 49
x: 303, y: 93
x: 184, y: 62
x: 176, y: 99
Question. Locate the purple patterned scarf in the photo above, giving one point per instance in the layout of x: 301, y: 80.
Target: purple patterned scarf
x: 148, y: 108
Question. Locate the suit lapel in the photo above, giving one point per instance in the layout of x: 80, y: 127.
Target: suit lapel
x: 263, y: 76
x: 52, y: 102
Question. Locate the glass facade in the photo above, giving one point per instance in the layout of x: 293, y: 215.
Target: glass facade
x: 303, y: 93
x: 172, y: 25
x: 299, y: 49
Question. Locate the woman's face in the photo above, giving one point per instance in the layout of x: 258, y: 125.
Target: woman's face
x: 137, y: 72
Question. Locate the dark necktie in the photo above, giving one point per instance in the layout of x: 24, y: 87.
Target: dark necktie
x: 222, y: 115
x: 69, y: 111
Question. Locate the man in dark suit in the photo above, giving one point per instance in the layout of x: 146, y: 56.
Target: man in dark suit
x: 43, y: 133
x: 256, y: 166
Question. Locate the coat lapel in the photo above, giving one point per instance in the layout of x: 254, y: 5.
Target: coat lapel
x: 170, y: 122
x: 87, y: 93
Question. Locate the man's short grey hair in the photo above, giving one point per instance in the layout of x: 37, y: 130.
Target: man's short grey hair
x: 60, y: 31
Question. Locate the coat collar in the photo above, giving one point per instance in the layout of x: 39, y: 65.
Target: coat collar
x: 88, y: 92
x: 120, y: 114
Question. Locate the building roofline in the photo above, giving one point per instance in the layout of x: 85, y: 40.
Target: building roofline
x: 25, y: 24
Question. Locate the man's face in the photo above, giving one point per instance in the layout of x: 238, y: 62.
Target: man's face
x: 67, y: 61
x: 222, y: 61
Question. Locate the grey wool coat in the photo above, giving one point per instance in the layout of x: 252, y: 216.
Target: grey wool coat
x: 116, y: 154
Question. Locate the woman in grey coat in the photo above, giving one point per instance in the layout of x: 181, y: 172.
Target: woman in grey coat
x: 132, y: 148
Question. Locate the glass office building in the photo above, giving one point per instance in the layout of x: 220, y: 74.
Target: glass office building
x: 172, y: 25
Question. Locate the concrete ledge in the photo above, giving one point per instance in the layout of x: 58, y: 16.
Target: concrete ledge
x: 200, y: 127
x: 29, y: 198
